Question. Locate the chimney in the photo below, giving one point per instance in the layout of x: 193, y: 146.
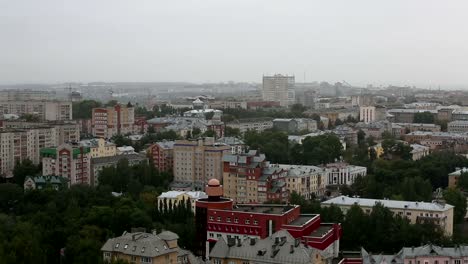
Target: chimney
x: 252, y: 241
x: 291, y: 250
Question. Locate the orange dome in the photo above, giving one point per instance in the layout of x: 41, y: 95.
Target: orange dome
x: 213, y: 182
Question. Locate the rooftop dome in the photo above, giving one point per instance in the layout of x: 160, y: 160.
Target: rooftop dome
x: 213, y: 182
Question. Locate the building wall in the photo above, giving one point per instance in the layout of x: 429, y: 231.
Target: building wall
x: 198, y: 161
x: 279, y: 88
x: 46, y: 110
x: 367, y: 114
x: 445, y: 217
x: 110, y: 121
x: 163, y: 158
x: 103, y: 149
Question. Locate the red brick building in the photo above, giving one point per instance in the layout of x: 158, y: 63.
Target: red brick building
x: 161, y: 155
x: 225, y: 221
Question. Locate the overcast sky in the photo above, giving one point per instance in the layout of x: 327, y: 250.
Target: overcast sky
x: 414, y: 42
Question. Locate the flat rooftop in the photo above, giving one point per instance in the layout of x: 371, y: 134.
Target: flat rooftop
x: 392, y: 204
x: 321, y: 231
x: 263, y: 209
x: 302, y: 220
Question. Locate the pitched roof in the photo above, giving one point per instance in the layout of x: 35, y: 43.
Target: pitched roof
x: 141, y: 244
x: 274, y: 249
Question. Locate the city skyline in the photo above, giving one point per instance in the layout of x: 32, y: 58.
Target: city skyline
x: 417, y: 43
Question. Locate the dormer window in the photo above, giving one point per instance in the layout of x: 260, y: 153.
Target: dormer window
x: 143, y: 250
x: 117, y: 245
x: 126, y: 246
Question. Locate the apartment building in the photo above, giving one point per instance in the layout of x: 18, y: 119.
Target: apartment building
x: 249, y: 178
x: 141, y: 247
x: 341, y: 173
x: 20, y: 144
x: 419, y: 151
x: 99, y: 147
x: 46, y: 110
x: 458, y: 126
x: 307, y: 181
x: 253, y: 124
x: 107, y: 122
x: 279, y: 88
x: 197, y: 161
x: 161, y: 155
x: 416, y: 212
x: 175, y: 198
x: 69, y: 161
x: 455, y: 176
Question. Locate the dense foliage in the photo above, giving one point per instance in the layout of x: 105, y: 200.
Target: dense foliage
x: 84, y: 109
x: 424, y: 117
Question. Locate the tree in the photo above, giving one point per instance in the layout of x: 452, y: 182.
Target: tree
x: 83, y: 109
x: 210, y: 133
x: 463, y: 181
x: 231, y: 132
x: 424, y: 117
x: 456, y: 198
x: 321, y: 149
x: 196, y: 132
x: 23, y: 169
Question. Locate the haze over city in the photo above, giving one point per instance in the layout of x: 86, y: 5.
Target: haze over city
x: 421, y: 43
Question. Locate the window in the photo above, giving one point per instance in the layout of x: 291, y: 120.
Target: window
x: 142, y: 249
x: 126, y: 246
x: 236, y: 220
x: 436, y: 262
x: 107, y: 254
x: 228, y: 219
x: 457, y: 261
x: 117, y: 245
x: 217, y: 261
x: 211, y: 218
x: 145, y: 260
x: 247, y: 221
x: 133, y: 259
x: 219, y: 218
x: 255, y: 222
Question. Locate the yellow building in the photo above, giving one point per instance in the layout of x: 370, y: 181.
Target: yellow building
x: 379, y: 151
x: 100, y: 147
x: 416, y: 212
x: 306, y: 181
x: 140, y: 247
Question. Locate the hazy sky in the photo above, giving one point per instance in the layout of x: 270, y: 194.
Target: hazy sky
x: 414, y: 42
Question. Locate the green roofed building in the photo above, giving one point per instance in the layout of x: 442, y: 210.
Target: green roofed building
x: 45, y: 182
x: 69, y: 161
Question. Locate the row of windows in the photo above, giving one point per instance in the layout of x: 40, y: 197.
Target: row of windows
x: 236, y: 220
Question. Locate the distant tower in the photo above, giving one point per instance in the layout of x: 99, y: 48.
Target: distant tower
x: 279, y: 88
x: 214, y: 190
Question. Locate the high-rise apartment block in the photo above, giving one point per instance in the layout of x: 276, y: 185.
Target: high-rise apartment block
x: 107, y: 122
x: 197, y: 161
x: 46, y: 110
x: 18, y: 144
x: 69, y: 161
x: 279, y: 88
x: 248, y: 178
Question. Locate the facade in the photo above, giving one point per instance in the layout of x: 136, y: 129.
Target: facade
x: 367, y: 114
x: 455, y: 176
x: 46, y: 110
x: 18, y: 144
x: 196, y: 161
x: 162, y: 155
x: 45, y: 182
x: 291, y: 125
x: 419, y: 151
x: 415, y: 212
x: 140, y: 247
x: 107, y: 122
x: 407, y: 115
x: 341, y: 173
x: 412, y: 127
x: 248, y: 178
x: 253, y: 124
x: 177, y: 197
x: 279, y: 88
x: 70, y: 162
x: 307, y: 181
x: 99, y: 147
x: 458, y: 126
x: 98, y: 164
